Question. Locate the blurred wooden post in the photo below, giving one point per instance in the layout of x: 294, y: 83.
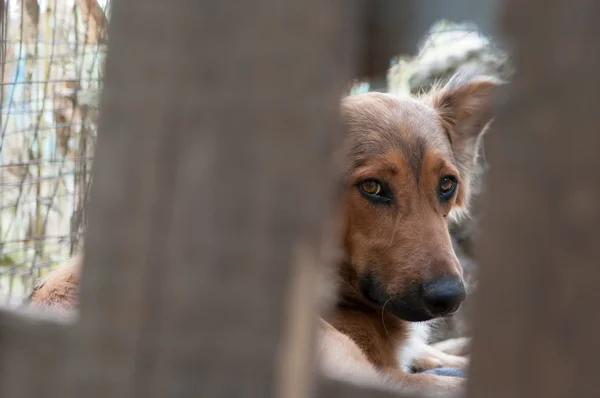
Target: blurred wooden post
x: 212, y: 180
x: 32, y: 355
x: 537, y: 327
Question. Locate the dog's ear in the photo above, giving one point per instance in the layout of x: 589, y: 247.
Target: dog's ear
x: 466, y: 109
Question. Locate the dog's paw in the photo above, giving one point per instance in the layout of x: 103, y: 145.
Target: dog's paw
x: 455, y: 361
x: 432, y: 358
x: 460, y: 346
x: 425, y: 363
x: 430, y: 362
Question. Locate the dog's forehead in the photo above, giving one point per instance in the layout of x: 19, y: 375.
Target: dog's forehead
x: 380, y: 123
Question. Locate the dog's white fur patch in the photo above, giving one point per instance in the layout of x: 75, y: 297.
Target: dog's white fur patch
x: 417, y: 338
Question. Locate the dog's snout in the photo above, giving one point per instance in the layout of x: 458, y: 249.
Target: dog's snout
x: 444, y: 295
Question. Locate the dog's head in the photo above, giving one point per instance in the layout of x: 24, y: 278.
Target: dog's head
x: 408, y: 170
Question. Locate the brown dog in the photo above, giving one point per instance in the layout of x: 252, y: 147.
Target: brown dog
x: 407, y: 172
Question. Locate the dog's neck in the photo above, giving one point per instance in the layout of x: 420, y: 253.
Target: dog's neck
x: 377, y: 333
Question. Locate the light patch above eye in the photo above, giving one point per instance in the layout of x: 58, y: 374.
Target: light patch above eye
x: 371, y: 187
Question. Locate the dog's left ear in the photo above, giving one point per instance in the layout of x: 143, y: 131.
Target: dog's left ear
x: 465, y: 106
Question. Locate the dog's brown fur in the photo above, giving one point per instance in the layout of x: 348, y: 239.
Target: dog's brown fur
x: 60, y: 289
x: 409, y: 144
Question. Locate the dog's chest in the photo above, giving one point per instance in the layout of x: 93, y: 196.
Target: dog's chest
x: 412, y: 346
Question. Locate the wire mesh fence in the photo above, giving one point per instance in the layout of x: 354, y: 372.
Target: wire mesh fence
x: 51, y: 60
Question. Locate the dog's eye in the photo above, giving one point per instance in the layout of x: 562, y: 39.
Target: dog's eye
x: 371, y: 187
x: 447, y: 187
x: 374, y: 191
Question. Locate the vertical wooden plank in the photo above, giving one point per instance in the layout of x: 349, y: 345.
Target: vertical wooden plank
x: 536, y: 331
x: 32, y: 354
x: 252, y: 191
x: 130, y: 199
x: 212, y: 181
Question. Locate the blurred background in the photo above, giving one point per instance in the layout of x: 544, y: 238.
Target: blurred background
x: 51, y: 60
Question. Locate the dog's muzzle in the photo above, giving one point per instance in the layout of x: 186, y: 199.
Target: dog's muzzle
x: 437, y: 298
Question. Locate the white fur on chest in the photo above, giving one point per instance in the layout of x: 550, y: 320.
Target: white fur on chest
x: 410, y: 349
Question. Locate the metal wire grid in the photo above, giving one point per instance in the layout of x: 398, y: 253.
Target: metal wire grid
x: 51, y: 60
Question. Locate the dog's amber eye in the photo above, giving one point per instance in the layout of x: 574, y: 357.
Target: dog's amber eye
x: 371, y: 187
x: 447, y: 187
x: 375, y: 191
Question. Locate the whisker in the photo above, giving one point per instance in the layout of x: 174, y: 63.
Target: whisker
x: 382, y: 314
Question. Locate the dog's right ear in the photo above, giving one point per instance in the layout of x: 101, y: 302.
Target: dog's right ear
x: 465, y: 107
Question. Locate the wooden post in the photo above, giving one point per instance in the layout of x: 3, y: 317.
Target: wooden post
x: 212, y: 182
x: 537, y: 327
x: 32, y: 355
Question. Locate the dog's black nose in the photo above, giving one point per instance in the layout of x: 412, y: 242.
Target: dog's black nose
x: 444, y: 295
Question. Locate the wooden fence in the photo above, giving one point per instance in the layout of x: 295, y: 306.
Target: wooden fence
x: 202, y: 230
